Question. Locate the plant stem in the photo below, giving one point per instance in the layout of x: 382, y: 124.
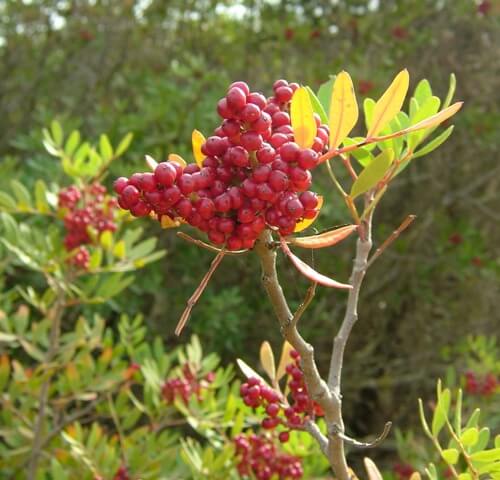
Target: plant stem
x: 55, y: 315
x: 363, y: 247
x: 317, y: 387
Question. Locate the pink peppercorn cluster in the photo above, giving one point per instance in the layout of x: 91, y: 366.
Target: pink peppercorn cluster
x: 485, y: 386
x: 122, y: 474
x: 253, y: 175
x: 403, y: 471
x: 85, y: 209
x: 301, y: 407
x: 187, y: 385
x: 260, y: 458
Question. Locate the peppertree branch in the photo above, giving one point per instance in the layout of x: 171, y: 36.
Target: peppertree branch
x: 317, y: 387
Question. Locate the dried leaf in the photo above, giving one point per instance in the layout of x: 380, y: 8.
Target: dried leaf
x: 248, y: 371
x: 372, y: 470
x: 152, y: 163
x: 267, y: 360
x: 309, y: 272
x: 167, y: 222
x: 326, y: 239
x: 285, y: 359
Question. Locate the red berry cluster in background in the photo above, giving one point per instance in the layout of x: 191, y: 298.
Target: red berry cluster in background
x: 185, y: 386
x: 84, y: 209
x: 260, y: 458
x: 293, y: 415
x: 484, y: 386
x: 122, y: 474
x: 403, y: 471
x: 254, y: 175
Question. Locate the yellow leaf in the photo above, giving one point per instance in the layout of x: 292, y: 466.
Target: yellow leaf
x: 343, y: 109
x: 285, y: 359
x: 267, y: 360
x: 173, y: 157
x: 390, y: 103
x: 415, y: 476
x: 198, y: 140
x: 106, y: 239
x: 302, y: 117
x: 167, y: 222
x: 119, y: 249
x: 307, y: 222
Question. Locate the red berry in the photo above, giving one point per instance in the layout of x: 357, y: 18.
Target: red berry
x: 250, y: 113
x: 251, y: 141
x: 278, y: 180
x: 238, y: 156
x: 289, y: 151
x: 206, y: 208
x: 165, y: 174
x: 309, y: 200
x: 307, y: 159
x: 241, y: 85
x: 130, y: 195
x: 257, y: 99
x: 283, y: 94
x: 280, y: 118
x: 266, y: 154
x: 223, y: 203
x: 186, y: 184
x: 119, y: 184
x: 284, y: 437
x: 236, y: 99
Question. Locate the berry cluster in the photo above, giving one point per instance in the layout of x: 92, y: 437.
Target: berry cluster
x: 122, y: 474
x: 186, y: 386
x: 260, y: 458
x: 253, y: 175
x: 85, y: 209
x: 485, y: 386
x: 301, y: 407
x: 403, y: 471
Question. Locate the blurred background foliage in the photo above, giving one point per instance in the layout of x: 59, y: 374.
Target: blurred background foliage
x: 156, y: 69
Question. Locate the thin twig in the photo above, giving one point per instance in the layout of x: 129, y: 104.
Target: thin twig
x: 391, y: 238
x: 375, y: 443
x: 197, y: 293
x: 55, y: 316
x: 201, y: 243
x: 311, y: 291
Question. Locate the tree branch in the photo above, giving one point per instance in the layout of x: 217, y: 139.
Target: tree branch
x: 55, y: 316
x: 316, y: 386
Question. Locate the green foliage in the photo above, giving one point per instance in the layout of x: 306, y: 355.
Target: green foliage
x: 467, y: 450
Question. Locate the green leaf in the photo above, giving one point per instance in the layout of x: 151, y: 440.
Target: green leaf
x: 373, y: 173
x: 72, y: 143
x: 7, y: 202
x: 458, y: 413
x: 124, y: 144
x: 423, y: 91
x: 325, y: 94
x: 429, y: 108
x: 57, y: 132
x: 41, y: 197
x: 451, y: 91
x: 450, y: 456
x: 464, y: 476
x: 441, y: 412
x: 368, y: 107
x: 483, y: 440
x: 470, y: 437
x: 474, y: 418
x: 95, y: 259
x: 486, y: 455
x: 434, y: 143
x: 22, y: 195
x: 317, y: 107
x: 105, y: 148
